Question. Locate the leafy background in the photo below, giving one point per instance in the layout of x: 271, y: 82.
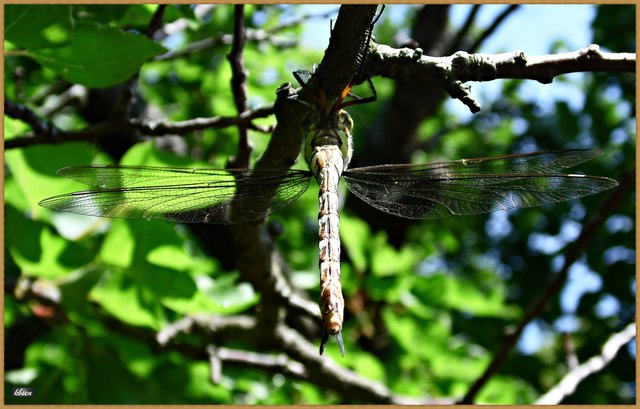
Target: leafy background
x: 427, y: 301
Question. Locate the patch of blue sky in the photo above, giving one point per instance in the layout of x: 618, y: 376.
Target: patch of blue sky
x: 582, y: 280
x: 498, y: 225
x: 566, y: 324
x: 535, y: 335
x: 533, y: 29
x: 619, y: 254
x: 608, y: 306
x: 548, y: 244
x: 619, y: 224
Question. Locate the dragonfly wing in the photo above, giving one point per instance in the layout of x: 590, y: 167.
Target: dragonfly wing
x: 117, y: 176
x: 474, y: 186
x: 182, y: 195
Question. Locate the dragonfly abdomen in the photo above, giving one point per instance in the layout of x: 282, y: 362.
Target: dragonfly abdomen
x: 327, y: 165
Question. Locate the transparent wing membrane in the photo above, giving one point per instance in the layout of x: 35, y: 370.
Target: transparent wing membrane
x: 180, y: 194
x: 474, y: 186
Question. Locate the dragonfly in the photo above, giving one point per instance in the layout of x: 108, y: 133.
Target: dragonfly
x: 414, y: 191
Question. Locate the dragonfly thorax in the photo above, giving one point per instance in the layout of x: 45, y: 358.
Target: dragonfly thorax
x: 324, y: 129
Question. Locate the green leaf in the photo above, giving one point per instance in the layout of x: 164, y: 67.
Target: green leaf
x: 38, y: 26
x: 387, y: 261
x: 463, y: 295
x: 118, y: 246
x: 368, y: 365
x: 37, y: 250
x: 98, y: 56
x: 100, y: 364
x: 170, y: 256
x: 505, y: 390
x: 13, y: 127
x: 120, y: 295
x: 34, y: 170
x: 204, y: 392
x: 128, y: 245
x: 156, y: 260
x: 75, y: 289
x: 102, y: 13
x: 355, y: 234
x: 228, y: 296
x: 147, y: 154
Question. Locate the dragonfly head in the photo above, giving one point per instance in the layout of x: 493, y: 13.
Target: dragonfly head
x: 330, y: 127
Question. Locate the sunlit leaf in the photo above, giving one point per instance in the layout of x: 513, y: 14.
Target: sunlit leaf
x: 41, y: 26
x: 98, y: 56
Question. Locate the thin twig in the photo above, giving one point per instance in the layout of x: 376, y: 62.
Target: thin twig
x: 239, y: 86
x: 215, y: 364
x: 456, y: 44
x: 492, y: 28
x: 226, y: 39
x: 613, y: 201
x: 156, y: 21
x: 276, y: 363
x: 569, y: 351
x: 73, y: 97
x: 299, y: 358
x: 158, y: 128
x: 42, y: 128
x: 302, y: 19
x: 596, y: 363
x: 256, y: 35
x: 52, y: 89
x: 129, y: 88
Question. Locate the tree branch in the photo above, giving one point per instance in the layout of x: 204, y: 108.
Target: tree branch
x: 346, y: 46
x: 148, y: 128
x: 596, y: 363
x: 156, y: 21
x: 41, y: 128
x: 493, y: 27
x: 255, y: 35
x: 275, y: 363
x: 301, y: 360
x: 239, y: 86
x: 615, y: 199
x: 464, y: 30
x: 451, y: 72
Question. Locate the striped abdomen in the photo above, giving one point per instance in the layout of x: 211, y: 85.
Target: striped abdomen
x: 327, y: 164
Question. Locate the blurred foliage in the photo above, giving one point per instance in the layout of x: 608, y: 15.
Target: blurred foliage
x: 424, y: 317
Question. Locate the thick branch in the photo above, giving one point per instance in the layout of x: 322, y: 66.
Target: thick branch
x: 451, y: 72
x: 346, y: 48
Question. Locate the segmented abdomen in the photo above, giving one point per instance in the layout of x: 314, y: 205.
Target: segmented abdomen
x: 327, y: 165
